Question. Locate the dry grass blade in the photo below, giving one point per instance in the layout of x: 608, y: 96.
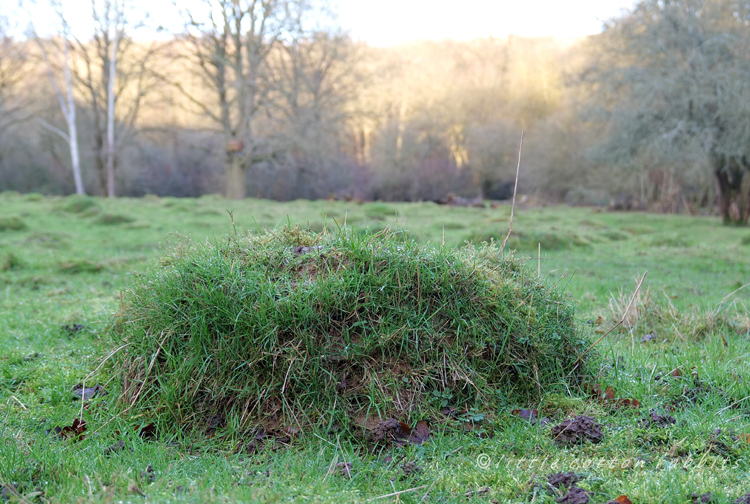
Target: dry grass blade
x: 515, y: 189
x: 618, y: 324
x: 394, y: 494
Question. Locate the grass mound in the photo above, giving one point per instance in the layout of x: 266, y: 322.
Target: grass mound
x: 12, y: 223
x: 297, y: 328
x: 113, y: 219
x: 79, y: 203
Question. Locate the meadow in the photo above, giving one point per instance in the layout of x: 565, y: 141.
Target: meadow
x: 682, y: 352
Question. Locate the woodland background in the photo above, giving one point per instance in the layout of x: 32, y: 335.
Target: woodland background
x: 270, y: 99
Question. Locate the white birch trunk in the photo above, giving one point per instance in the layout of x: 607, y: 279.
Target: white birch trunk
x: 111, y: 106
x: 68, y: 106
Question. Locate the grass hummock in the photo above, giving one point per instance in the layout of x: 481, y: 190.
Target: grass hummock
x: 291, y: 327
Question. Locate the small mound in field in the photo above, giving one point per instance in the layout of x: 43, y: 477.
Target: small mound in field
x: 79, y: 203
x: 12, y: 223
x: 297, y: 328
x: 113, y: 219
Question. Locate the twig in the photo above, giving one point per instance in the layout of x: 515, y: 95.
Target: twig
x: 18, y: 401
x: 539, y: 260
x: 397, y: 493
x: 83, y: 385
x: 625, y: 314
x: 731, y: 293
x: 515, y: 188
x: 428, y: 490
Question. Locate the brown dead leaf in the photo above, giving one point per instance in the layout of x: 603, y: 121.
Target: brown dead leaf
x: 527, y: 414
x: 609, y: 394
x: 420, y: 433
x: 147, y: 432
x: 623, y: 499
x: 74, y: 431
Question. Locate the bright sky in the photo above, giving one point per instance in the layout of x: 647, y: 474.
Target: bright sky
x: 387, y: 22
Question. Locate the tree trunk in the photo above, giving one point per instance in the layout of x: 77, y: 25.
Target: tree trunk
x: 235, y: 176
x: 100, y: 167
x: 111, y: 108
x: 732, y: 189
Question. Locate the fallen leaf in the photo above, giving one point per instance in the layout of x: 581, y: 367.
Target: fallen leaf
x: 628, y: 403
x: 147, y: 432
x: 74, y: 431
x: 420, y: 433
x: 623, y: 499
x: 609, y: 394
x: 527, y: 414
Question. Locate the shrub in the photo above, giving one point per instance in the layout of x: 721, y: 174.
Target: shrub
x: 326, y: 328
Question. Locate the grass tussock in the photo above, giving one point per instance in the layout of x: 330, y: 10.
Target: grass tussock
x: 80, y: 266
x: 77, y: 204
x: 113, y: 219
x: 529, y: 241
x: 12, y: 223
x: 297, y: 328
x: 656, y: 318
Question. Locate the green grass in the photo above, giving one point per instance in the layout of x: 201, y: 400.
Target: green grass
x: 65, y: 268
x: 313, y: 330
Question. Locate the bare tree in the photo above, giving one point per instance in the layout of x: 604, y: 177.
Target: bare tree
x: 312, y: 78
x: 230, y: 51
x: 672, y: 81
x: 116, y: 29
x: 67, y: 101
x: 13, y: 70
x: 115, y: 78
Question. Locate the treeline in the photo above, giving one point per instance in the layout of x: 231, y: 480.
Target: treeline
x: 277, y: 103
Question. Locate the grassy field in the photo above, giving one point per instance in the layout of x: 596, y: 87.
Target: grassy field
x: 683, y: 351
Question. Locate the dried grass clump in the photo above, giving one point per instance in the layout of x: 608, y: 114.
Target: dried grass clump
x: 656, y: 318
x: 291, y: 327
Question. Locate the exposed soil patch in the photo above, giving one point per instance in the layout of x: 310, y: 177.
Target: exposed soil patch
x: 705, y: 498
x: 392, y: 432
x: 656, y: 420
x: 563, y: 480
x: 575, y: 495
x: 577, y: 430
